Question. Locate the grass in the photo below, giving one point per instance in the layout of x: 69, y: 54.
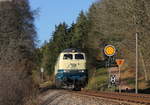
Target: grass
x: 46, y: 84
x: 130, y: 80
x: 99, y: 81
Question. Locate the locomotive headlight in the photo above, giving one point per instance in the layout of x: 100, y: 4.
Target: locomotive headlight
x: 66, y: 71
x: 82, y: 71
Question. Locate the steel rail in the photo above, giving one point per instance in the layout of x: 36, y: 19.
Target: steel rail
x: 129, y: 97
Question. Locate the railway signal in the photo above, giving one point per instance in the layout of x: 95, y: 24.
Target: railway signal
x: 109, y: 50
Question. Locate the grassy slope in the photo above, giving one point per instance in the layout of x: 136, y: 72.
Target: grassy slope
x: 99, y: 80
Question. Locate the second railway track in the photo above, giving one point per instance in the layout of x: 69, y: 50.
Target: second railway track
x: 128, y: 97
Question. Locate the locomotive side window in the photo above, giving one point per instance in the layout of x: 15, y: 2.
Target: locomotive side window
x: 79, y: 56
x: 68, y: 56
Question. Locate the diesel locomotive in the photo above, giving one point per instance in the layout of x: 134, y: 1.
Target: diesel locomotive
x: 70, y: 69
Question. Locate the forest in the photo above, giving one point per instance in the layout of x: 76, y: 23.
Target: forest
x: 106, y: 22
x: 114, y: 22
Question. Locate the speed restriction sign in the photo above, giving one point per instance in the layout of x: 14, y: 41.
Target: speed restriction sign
x: 120, y: 61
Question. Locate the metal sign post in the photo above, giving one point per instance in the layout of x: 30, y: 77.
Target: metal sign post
x: 119, y: 79
x: 119, y: 63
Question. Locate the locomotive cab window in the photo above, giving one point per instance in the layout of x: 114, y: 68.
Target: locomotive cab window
x: 79, y: 56
x: 68, y: 56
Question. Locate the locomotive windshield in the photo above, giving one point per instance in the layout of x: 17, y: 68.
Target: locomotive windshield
x: 68, y: 56
x: 79, y: 56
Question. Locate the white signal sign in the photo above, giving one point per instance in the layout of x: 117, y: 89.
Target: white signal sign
x: 113, y: 79
x: 42, y: 70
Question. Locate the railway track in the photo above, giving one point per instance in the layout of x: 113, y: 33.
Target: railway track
x: 128, y: 97
x: 52, y: 97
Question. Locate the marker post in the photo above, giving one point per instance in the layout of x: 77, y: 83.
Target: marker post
x: 42, y: 72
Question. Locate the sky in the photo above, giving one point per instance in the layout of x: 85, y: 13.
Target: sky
x: 53, y: 12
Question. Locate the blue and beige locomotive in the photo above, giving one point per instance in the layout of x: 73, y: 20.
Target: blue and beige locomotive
x: 70, y: 69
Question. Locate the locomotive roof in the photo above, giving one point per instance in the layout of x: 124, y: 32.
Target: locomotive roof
x: 71, y: 50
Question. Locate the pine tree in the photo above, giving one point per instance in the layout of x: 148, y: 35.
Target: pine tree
x: 81, y: 32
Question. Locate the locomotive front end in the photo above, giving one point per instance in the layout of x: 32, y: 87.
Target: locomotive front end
x: 72, y: 69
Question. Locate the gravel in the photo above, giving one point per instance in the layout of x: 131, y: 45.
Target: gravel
x: 58, y: 97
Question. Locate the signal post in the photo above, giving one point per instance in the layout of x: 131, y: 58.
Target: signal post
x: 110, y: 51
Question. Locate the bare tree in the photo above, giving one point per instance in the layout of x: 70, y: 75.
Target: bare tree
x: 17, y: 44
